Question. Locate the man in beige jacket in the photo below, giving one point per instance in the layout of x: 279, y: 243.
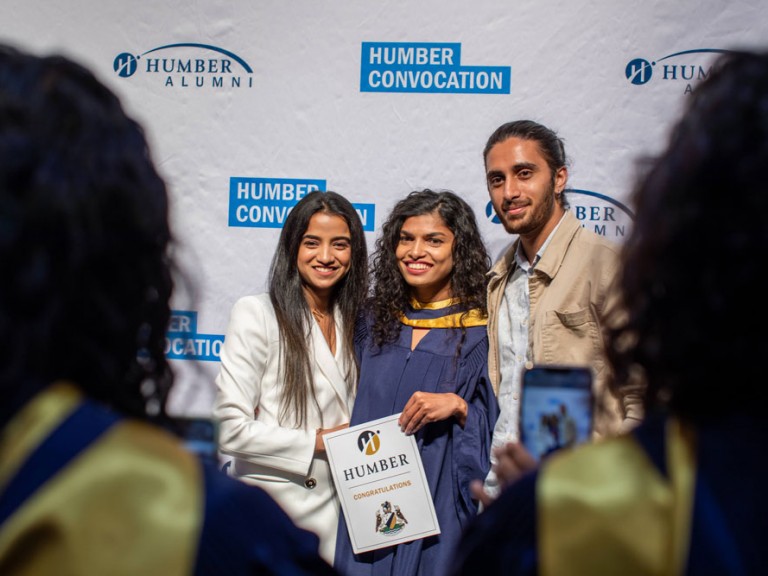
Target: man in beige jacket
x: 551, y: 293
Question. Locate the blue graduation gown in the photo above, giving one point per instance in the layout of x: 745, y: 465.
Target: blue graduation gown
x: 452, y: 456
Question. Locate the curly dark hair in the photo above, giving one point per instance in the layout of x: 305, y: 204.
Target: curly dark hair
x: 84, y: 240
x: 692, y: 281
x: 291, y: 308
x: 471, y: 262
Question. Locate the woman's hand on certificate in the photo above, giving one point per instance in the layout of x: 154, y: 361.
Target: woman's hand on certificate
x: 425, y: 407
x: 319, y: 444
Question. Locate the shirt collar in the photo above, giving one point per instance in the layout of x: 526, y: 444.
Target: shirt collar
x: 520, y: 257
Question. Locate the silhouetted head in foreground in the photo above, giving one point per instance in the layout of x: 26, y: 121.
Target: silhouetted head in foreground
x: 84, y: 241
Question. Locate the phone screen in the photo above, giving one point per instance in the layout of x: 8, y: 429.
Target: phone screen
x: 556, y: 408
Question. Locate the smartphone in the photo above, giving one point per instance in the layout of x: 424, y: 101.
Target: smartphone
x: 555, y: 408
x: 199, y: 435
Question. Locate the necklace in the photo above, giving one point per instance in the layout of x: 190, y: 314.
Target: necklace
x: 327, y: 327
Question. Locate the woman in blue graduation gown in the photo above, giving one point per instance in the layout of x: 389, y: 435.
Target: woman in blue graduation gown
x: 423, y: 350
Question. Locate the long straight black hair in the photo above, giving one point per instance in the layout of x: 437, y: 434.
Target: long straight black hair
x: 291, y: 308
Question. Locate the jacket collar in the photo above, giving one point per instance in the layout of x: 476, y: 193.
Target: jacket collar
x: 332, y: 367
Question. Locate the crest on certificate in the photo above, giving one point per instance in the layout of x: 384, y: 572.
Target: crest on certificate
x: 390, y: 519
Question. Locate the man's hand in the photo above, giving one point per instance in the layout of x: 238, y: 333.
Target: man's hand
x: 512, y: 461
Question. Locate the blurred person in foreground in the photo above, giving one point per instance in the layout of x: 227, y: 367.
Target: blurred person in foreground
x: 684, y: 493
x: 88, y: 484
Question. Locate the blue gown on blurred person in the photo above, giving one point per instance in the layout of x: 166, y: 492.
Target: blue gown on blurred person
x: 88, y: 491
x: 661, y: 500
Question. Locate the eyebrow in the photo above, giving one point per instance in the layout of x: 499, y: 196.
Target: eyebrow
x: 334, y: 239
x: 515, y: 168
x: 428, y: 235
x: 524, y: 166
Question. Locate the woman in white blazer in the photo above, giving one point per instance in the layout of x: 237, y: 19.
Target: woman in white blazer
x: 288, y: 368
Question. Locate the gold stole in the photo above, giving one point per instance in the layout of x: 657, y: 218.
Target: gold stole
x: 606, y: 509
x: 130, y: 503
x: 473, y: 317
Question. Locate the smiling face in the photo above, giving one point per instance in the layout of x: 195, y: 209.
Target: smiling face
x: 425, y: 256
x: 324, y: 256
x: 523, y: 189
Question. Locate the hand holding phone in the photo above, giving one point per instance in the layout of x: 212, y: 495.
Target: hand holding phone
x: 556, y: 408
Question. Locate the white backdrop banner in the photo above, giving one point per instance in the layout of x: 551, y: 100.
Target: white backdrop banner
x: 250, y: 105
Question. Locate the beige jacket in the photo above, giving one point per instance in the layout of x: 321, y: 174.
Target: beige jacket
x: 571, y: 294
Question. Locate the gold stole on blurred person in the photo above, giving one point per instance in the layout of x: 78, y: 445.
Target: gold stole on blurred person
x: 131, y: 503
x: 606, y: 509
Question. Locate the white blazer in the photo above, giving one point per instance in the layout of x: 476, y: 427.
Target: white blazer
x: 280, y: 458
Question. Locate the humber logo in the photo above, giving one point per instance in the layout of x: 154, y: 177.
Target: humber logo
x: 602, y: 214
x: 429, y: 67
x: 184, y: 342
x: 687, y: 66
x: 368, y: 442
x: 266, y: 202
x: 188, y: 64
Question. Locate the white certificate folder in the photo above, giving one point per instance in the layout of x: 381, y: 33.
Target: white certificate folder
x: 380, y: 479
